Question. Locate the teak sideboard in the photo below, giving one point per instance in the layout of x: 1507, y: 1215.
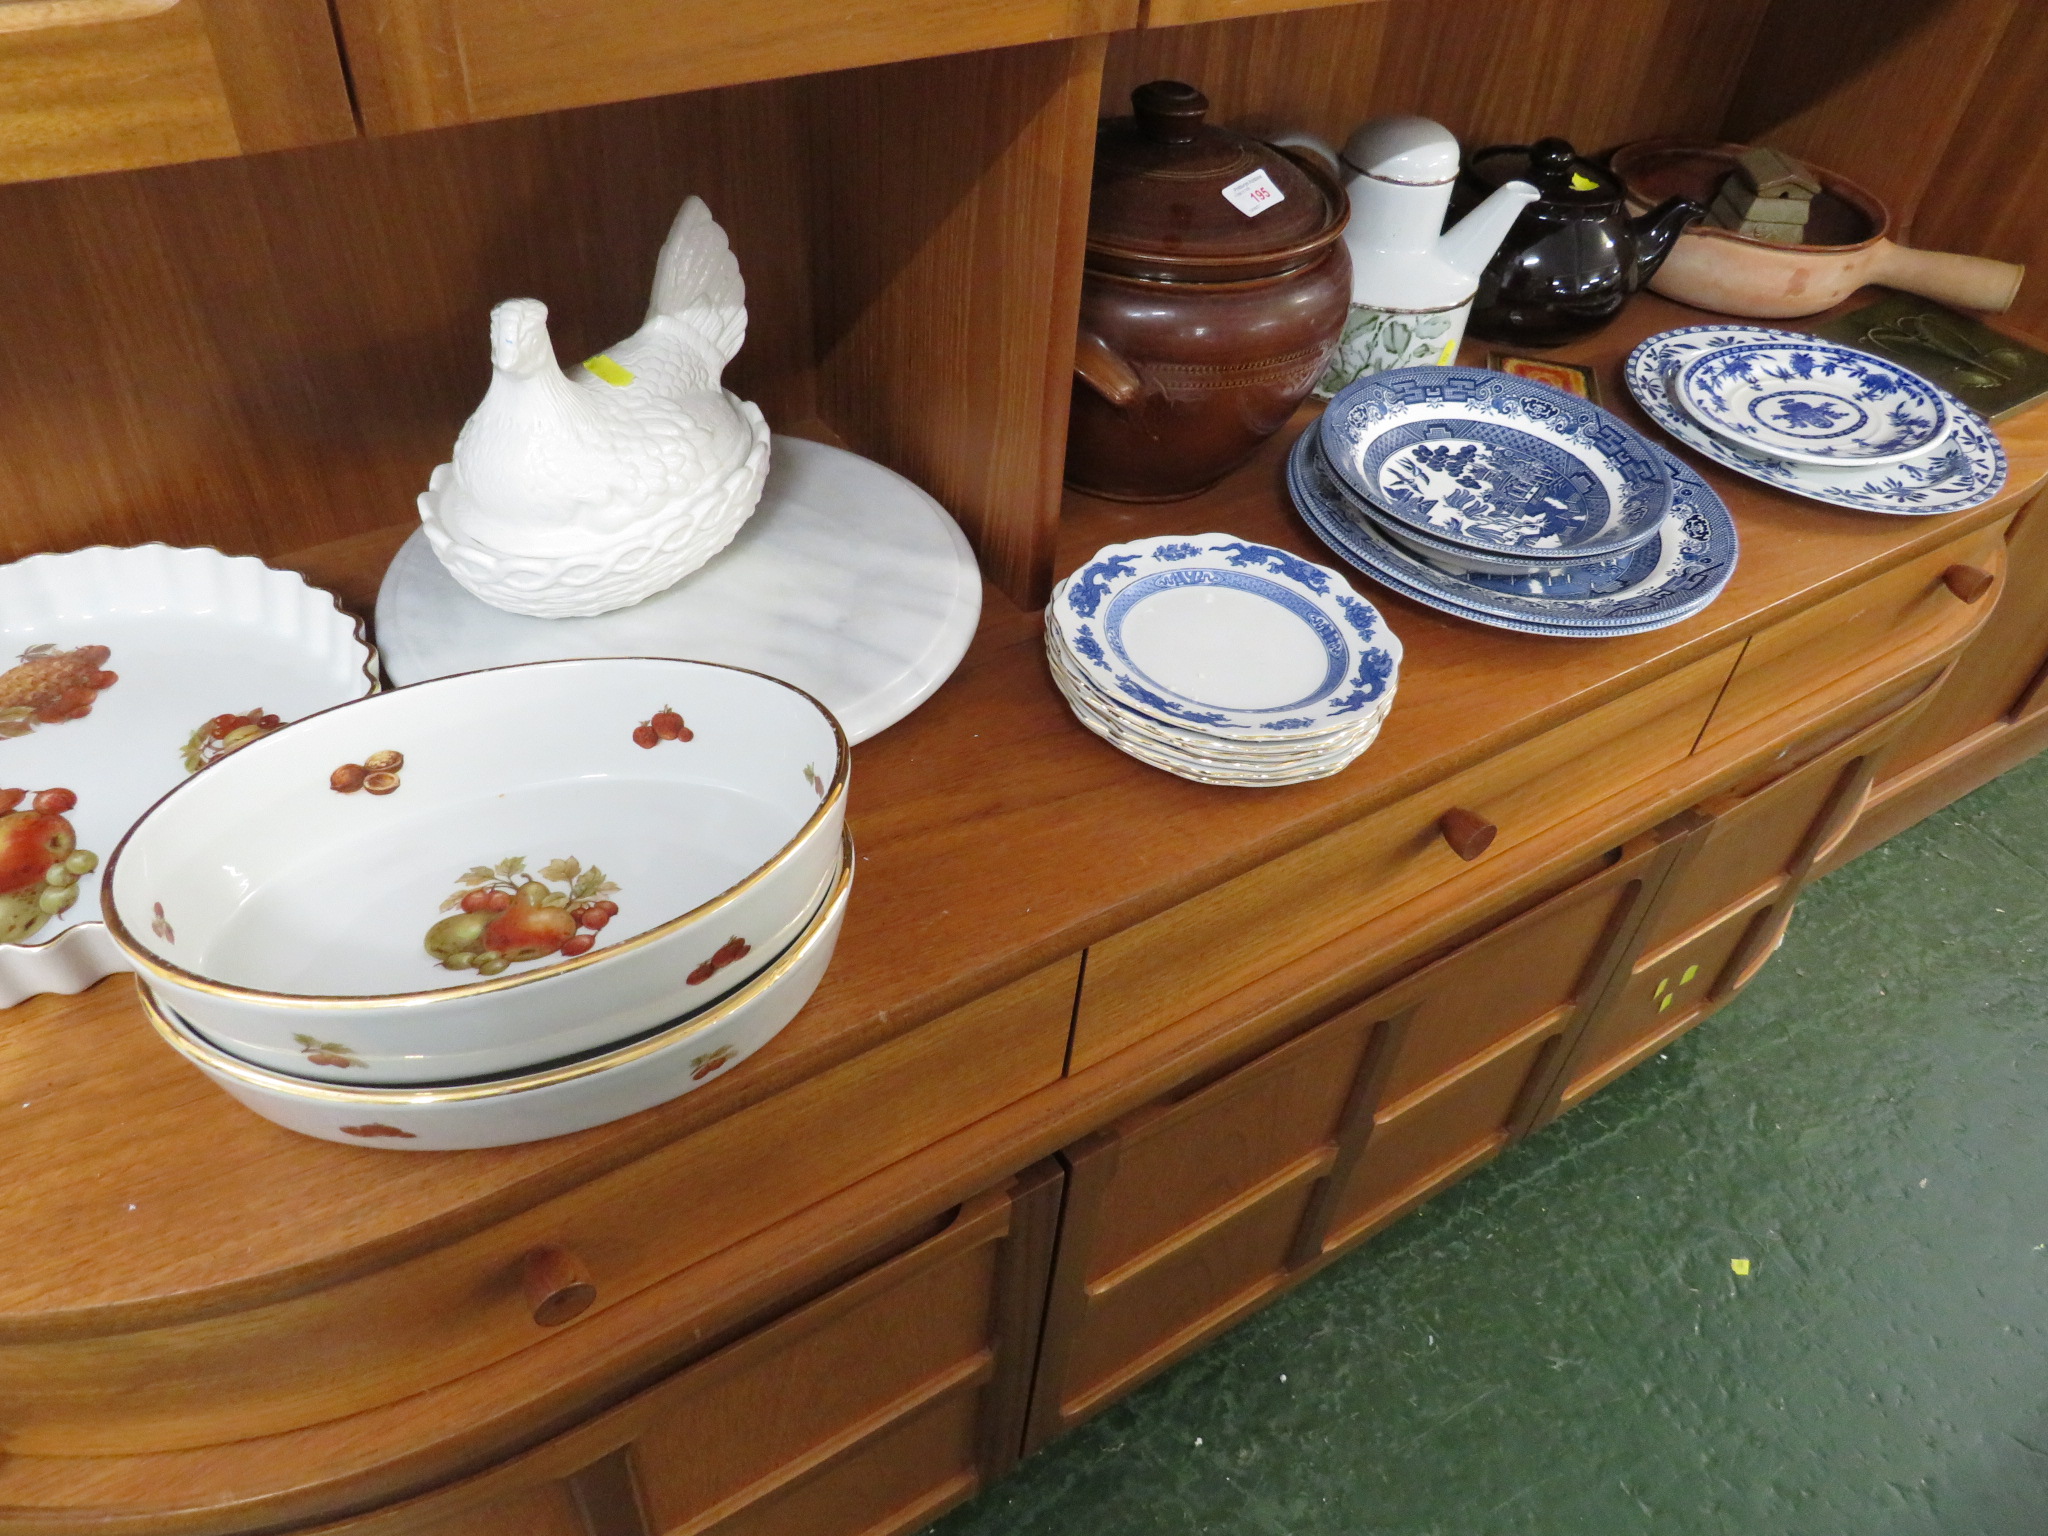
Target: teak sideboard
x: 1106, y: 1060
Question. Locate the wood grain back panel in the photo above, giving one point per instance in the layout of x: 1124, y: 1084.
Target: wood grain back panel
x: 1985, y: 194
x: 1873, y: 89
x: 951, y: 207
x: 1596, y: 71
x: 262, y: 353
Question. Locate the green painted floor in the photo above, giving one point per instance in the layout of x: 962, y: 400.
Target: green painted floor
x: 1560, y: 1344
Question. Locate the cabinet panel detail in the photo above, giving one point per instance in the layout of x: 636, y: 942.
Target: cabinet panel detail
x: 1429, y: 1140
x: 434, y: 63
x: 1165, y: 968
x: 102, y: 85
x: 1814, y: 651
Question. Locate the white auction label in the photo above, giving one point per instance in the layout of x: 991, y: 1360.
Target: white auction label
x: 1252, y: 195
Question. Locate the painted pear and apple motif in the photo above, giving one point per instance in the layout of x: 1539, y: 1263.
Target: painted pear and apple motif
x: 40, y: 860
x: 503, y: 916
x: 49, y: 686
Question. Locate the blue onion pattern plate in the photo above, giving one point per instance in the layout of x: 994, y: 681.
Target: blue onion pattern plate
x: 1496, y: 463
x: 1966, y: 471
x: 1813, y: 402
x: 1229, y: 636
x: 1695, y: 555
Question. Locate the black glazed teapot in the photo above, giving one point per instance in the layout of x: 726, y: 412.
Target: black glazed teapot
x: 1574, y: 257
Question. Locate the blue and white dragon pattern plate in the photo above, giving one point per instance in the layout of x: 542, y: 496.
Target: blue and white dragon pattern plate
x: 1101, y: 613
x: 1966, y: 471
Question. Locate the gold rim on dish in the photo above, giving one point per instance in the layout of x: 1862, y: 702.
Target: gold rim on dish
x: 187, y: 1042
x: 148, y: 960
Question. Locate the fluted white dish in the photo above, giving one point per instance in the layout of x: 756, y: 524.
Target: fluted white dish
x: 663, y: 1064
x: 190, y: 635
x: 454, y: 924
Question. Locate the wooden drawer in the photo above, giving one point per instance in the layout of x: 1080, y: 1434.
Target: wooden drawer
x: 1429, y: 1140
x: 864, y: 1412
x: 103, y: 85
x: 430, y: 63
x: 444, y: 1313
x: 1141, y: 1321
x: 1910, y: 608
x: 1170, y: 965
x: 1665, y: 994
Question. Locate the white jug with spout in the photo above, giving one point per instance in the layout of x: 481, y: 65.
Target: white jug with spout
x: 1412, y: 281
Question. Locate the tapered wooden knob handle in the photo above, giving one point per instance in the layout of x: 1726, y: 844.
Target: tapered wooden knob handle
x: 557, y: 1286
x: 1468, y: 833
x: 1967, y: 581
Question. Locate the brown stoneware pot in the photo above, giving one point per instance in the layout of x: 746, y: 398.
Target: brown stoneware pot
x: 1216, y: 287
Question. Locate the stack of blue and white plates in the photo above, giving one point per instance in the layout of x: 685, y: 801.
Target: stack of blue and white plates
x: 1819, y: 420
x: 1222, y: 660
x: 1511, y: 504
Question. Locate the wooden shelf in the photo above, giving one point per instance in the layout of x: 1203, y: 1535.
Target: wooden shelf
x: 180, y: 1203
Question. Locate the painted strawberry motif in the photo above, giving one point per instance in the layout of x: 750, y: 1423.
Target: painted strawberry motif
x: 663, y: 725
x: 224, y: 734
x: 703, y: 1066
x: 327, y: 1053
x: 734, y: 948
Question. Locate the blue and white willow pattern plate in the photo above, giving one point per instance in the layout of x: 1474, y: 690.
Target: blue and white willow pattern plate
x: 1498, y: 463
x: 1227, y: 636
x: 1966, y: 471
x: 1814, y: 402
x: 1696, y: 552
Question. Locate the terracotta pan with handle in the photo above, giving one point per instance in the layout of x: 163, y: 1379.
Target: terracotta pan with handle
x: 1718, y: 269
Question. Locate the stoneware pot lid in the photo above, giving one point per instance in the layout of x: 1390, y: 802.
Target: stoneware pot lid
x: 1182, y: 200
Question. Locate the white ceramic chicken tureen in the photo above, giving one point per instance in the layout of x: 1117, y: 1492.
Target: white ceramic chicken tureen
x: 574, y: 493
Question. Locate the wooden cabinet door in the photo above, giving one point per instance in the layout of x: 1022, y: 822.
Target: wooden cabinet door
x: 864, y: 1412
x: 1740, y: 864
x: 431, y: 63
x: 1192, y: 1212
x: 104, y: 85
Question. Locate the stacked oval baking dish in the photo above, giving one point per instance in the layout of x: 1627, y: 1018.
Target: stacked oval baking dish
x: 495, y: 907
x: 1511, y: 503
x: 1222, y: 660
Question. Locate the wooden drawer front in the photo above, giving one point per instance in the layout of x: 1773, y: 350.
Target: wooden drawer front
x: 1909, y: 608
x: 1528, y: 970
x: 447, y: 1312
x: 1663, y: 996
x: 1170, y: 965
x: 112, y: 84
x: 745, y: 1419
x: 1178, y: 1165
x: 900, y: 1480
x: 867, y: 1410
x: 430, y: 63
x: 1755, y: 843
x: 1420, y: 1144
x: 1147, y: 1318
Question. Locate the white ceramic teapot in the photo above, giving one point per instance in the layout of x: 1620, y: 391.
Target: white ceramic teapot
x: 1412, y: 281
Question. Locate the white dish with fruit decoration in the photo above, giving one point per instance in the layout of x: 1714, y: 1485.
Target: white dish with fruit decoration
x: 122, y: 673
x: 481, y: 873
x: 554, y: 1100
